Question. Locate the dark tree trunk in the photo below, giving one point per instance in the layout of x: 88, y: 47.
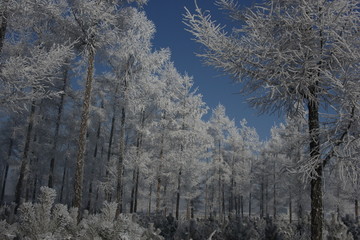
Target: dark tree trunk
x: 90, y: 193
x: 250, y: 205
x: 79, y: 174
x: 232, y: 195
x: 120, y: 165
x: 178, y: 196
x: 356, y: 210
x: 206, y: 200
x: 274, y: 191
x: 290, y: 206
x: 63, y: 181
x: 4, y: 21
x: 316, y: 181
x: 132, y: 200
x: 150, y: 195
x: 24, y: 159
x: 223, y: 199
x: 262, y: 198
x: 136, y: 189
x: 6, y: 171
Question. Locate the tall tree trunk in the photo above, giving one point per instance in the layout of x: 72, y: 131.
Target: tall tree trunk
x: 356, y: 210
x: 262, y: 198
x: 150, y: 195
x: 165, y: 206
x: 250, y: 204
x: 24, y: 159
x: 290, y: 206
x: 57, y: 130
x: 223, y: 199
x: 316, y: 181
x: 274, y: 191
x: 61, y: 197
x: 120, y: 164
x: 266, y: 202
x: 6, y: 171
x: 4, y: 21
x: 132, y: 199
x: 192, y: 210
x: 178, y: 195
x: 136, y: 189
x: 79, y: 174
x: 206, y: 200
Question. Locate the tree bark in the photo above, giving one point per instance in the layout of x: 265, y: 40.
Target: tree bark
x: 262, y: 198
x: 149, y: 205
x: 120, y: 165
x: 79, y: 174
x: 178, y: 195
x: 136, y: 189
x: 206, y: 200
x: 63, y: 181
x: 290, y: 206
x: 132, y: 200
x: 6, y: 171
x: 4, y: 21
x: 24, y: 159
x: 274, y: 191
x: 250, y: 205
x: 316, y: 181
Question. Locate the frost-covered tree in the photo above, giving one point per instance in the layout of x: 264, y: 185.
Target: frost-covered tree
x: 293, y: 53
x: 99, y: 23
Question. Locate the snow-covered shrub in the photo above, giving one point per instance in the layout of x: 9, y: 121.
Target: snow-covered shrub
x: 106, y: 226
x: 7, y: 231
x: 42, y: 220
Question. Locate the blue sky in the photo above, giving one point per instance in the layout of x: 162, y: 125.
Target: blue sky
x: 213, y: 85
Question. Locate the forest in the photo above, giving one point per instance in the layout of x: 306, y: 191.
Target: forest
x: 103, y: 138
